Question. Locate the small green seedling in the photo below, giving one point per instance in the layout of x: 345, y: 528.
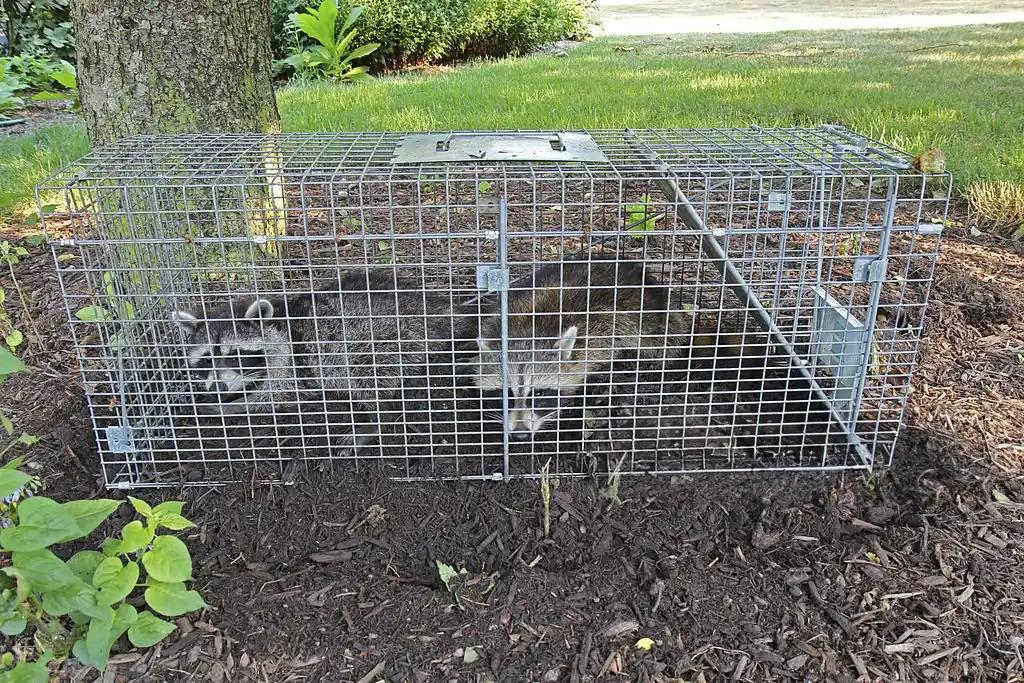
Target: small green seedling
x: 387, y: 252
x: 426, y: 186
x: 611, y: 487
x: 34, y: 218
x: 641, y: 217
x: 449, y: 577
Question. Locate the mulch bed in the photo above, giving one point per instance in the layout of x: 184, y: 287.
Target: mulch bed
x: 39, y: 113
x: 915, y: 573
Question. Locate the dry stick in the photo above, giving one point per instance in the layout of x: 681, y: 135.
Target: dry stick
x: 374, y: 672
x: 545, y: 494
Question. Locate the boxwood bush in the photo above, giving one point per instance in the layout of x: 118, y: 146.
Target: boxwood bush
x: 422, y: 31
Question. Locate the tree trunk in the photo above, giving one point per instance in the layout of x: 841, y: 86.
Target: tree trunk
x: 174, y: 66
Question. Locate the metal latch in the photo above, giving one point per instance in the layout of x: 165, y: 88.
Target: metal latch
x: 491, y: 278
x: 421, y: 148
x: 120, y: 439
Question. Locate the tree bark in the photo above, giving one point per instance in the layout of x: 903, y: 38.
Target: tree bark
x: 174, y: 66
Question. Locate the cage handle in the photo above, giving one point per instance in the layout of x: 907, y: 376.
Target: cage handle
x: 556, y: 140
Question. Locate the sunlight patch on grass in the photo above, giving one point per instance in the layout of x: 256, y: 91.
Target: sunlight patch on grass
x: 25, y: 160
x: 956, y: 88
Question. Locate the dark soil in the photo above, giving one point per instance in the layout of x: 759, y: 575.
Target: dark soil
x: 915, y: 573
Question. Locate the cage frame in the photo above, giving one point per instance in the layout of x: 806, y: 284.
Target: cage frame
x: 887, y: 161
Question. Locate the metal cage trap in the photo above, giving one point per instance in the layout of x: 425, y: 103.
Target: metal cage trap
x: 485, y: 304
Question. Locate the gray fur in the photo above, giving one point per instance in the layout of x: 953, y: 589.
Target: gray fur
x: 570, y: 323
x: 355, y: 345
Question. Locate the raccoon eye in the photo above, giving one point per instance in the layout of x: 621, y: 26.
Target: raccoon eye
x: 249, y: 360
x: 546, y: 398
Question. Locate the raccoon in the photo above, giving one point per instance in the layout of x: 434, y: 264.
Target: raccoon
x: 370, y: 344
x: 574, y: 321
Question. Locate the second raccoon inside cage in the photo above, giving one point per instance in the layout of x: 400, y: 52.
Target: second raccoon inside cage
x: 382, y: 358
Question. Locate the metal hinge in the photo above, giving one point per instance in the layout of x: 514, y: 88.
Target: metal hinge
x: 869, y: 269
x: 491, y: 278
x: 876, y: 271
x: 120, y: 439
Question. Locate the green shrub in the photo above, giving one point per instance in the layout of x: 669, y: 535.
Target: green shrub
x: 39, y: 28
x: 10, y: 84
x: 332, y: 58
x: 36, y: 73
x: 424, y: 31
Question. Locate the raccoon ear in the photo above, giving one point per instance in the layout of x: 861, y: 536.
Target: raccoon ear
x: 567, y: 342
x: 185, y: 320
x: 261, y: 308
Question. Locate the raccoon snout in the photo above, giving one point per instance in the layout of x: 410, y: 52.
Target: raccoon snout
x: 523, y: 424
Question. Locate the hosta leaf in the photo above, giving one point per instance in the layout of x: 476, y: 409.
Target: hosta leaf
x: 77, y: 597
x: 173, y: 599
x: 47, y: 570
x: 41, y: 522
x: 84, y: 564
x: 14, y: 627
x: 89, y: 514
x: 125, y: 617
x: 10, y: 363
x: 135, y: 537
x: 174, y: 522
x: 27, y: 672
x: 92, y: 314
x: 149, y: 630
x: 11, y: 481
x: 115, y: 587
x: 141, y: 506
x: 169, y: 507
x: 168, y: 561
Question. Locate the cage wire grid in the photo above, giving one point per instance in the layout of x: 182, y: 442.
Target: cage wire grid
x: 788, y: 272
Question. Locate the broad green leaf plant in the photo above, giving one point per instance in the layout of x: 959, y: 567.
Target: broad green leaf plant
x: 332, y: 58
x: 81, y: 607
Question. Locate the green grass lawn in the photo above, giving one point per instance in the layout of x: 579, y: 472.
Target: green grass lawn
x: 959, y: 88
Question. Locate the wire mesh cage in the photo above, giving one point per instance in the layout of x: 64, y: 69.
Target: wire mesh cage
x: 488, y: 304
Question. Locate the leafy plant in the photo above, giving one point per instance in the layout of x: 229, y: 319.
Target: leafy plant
x: 12, y: 336
x: 35, y: 73
x: 38, y: 28
x: 332, y: 58
x: 10, y: 84
x: 83, y: 606
x: 10, y: 364
x: 385, y: 252
x: 67, y: 77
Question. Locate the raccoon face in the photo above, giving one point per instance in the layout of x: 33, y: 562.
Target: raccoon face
x: 542, y: 378
x: 232, y: 356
